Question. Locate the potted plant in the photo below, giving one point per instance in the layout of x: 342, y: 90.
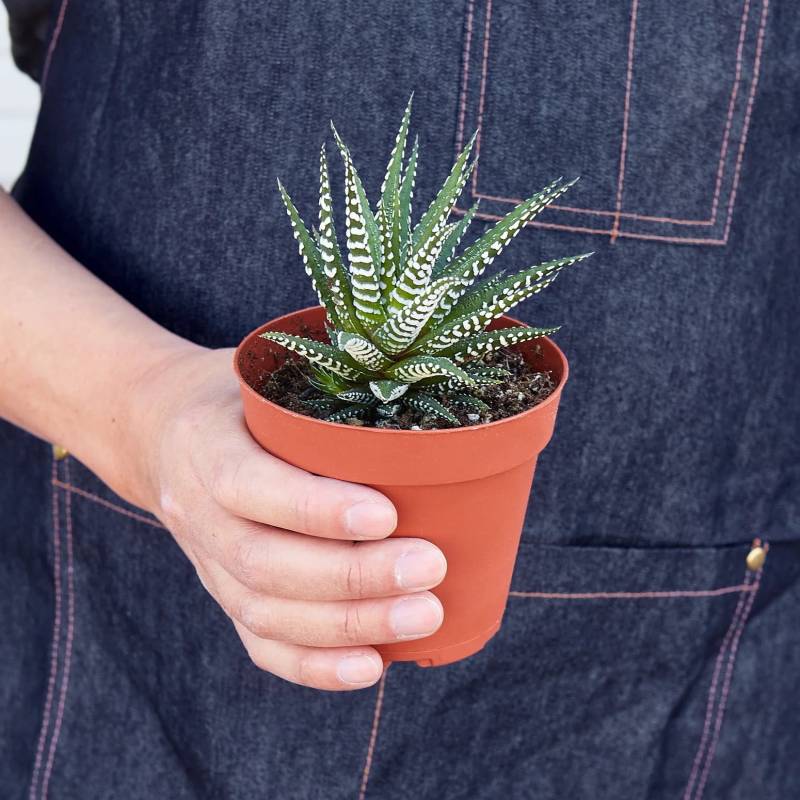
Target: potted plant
x: 401, y: 379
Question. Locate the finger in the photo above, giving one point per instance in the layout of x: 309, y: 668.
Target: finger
x: 319, y: 624
x: 333, y: 669
x: 255, y: 485
x: 294, y: 566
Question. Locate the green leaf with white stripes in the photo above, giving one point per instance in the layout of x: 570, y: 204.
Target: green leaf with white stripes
x: 439, y: 210
x: 416, y: 276
x: 363, y: 351
x: 348, y: 412
x: 476, y: 258
x: 312, y: 259
x: 507, y: 294
x: 405, y: 203
x: 317, y: 353
x: 454, y: 236
x: 363, y: 245
x: 416, y: 368
x: 336, y: 276
x: 388, y: 390
x: 403, y: 328
x: 358, y: 395
x: 428, y: 404
x: 482, y: 343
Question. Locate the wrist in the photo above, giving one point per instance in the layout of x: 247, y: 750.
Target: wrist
x: 149, y: 397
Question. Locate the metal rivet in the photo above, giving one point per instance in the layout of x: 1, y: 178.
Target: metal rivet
x: 59, y: 452
x: 756, y: 558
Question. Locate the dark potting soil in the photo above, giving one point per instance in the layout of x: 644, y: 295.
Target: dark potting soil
x: 524, y: 388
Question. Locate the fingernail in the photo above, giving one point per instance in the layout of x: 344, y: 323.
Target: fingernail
x: 359, y: 669
x: 415, y: 616
x: 420, y: 568
x: 370, y: 520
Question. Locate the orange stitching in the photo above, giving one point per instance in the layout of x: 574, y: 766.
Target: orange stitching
x: 482, y: 98
x: 625, y: 119
x: 373, y: 736
x: 599, y: 231
x: 462, y: 111
x: 51, y: 678
x: 595, y: 212
x: 726, y: 686
x: 748, y: 113
x: 62, y: 696
x: 652, y: 595
x: 619, y: 213
x: 113, y: 506
x: 729, y: 121
x: 53, y: 42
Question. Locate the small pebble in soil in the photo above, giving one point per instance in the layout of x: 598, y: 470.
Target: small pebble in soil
x: 474, y: 417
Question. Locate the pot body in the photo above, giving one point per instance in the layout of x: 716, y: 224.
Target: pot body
x: 464, y: 489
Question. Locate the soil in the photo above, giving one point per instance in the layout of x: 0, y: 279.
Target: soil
x: 288, y: 386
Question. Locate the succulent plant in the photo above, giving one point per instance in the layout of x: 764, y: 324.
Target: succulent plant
x: 407, y: 316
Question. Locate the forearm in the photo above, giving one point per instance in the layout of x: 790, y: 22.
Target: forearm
x: 73, y: 350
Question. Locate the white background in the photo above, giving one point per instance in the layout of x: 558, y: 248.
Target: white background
x: 19, y: 102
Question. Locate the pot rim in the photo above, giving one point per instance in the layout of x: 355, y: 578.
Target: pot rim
x: 387, y: 432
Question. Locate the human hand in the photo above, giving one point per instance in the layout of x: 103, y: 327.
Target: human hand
x: 300, y: 563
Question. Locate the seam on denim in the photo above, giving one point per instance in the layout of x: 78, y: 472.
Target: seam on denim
x: 69, y: 639
x: 618, y: 213
x: 108, y: 504
x: 649, y: 595
x: 595, y: 212
x: 726, y: 685
x: 482, y: 97
x: 729, y: 120
x: 373, y: 735
x: 748, y: 113
x: 623, y: 150
x: 734, y: 632
x: 53, y: 42
x: 465, y: 55
x: 56, y: 635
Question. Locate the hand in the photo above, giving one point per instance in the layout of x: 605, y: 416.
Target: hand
x: 300, y: 563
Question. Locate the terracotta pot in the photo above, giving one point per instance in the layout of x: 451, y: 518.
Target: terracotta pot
x: 465, y: 489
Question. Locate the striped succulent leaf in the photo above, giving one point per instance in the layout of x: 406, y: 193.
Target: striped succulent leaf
x: 503, y: 297
x: 439, y: 210
x: 401, y: 330
x: 416, y: 368
x: 476, y: 258
x: 359, y: 396
x: 406, y: 199
x: 451, y: 241
x: 390, y: 217
x: 363, y: 351
x: 406, y: 317
x: 482, y: 343
x: 363, y: 245
x: 468, y: 401
x: 347, y: 412
x: 335, y: 274
x: 312, y: 258
x: 319, y: 353
x: 428, y: 404
x: 388, y: 390
x: 414, y: 279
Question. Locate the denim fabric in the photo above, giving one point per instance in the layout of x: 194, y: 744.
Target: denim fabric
x: 638, y: 657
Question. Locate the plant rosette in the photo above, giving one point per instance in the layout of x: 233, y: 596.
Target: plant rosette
x: 406, y: 327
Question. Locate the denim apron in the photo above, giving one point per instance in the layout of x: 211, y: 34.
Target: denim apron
x: 640, y: 657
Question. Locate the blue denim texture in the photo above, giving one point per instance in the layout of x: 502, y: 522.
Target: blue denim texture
x: 621, y: 672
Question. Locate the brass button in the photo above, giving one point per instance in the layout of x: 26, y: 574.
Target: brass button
x: 59, y: 452
x: 756, y: 558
